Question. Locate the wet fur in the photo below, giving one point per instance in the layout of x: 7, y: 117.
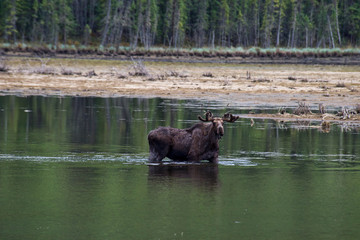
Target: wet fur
x: 199, y: 142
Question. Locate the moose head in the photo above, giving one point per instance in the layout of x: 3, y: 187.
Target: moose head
x: 218, y: 121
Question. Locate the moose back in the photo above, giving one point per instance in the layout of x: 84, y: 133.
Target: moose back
x: 199, y: 142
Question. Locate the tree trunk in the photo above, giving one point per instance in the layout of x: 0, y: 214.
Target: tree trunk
x: 320, y: 41
x: 176, y: 22
x: 269, y: 25
x: 92, y: 14
x: 200, y: 23
x: 279, y: 26
x: 239, y: 33
x: 289, y: 39
x: 13, y: 20
x: 293, y: 40
x: 147, y: 26
x: 257, y: 27
x: 139, y: 22
x: 213, y: 39
x: 331, y: 34
x: 107, y: 22
x: 311, y: 20
x: 337, y: 21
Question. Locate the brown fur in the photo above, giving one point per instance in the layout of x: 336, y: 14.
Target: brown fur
x: 199, y: 142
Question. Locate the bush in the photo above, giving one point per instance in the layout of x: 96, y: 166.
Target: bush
x: 139, y: 69
x: 302, y: 108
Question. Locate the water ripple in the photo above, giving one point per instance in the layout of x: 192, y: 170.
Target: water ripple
x: 244, y: 162
x: 133, y: 159
x: 241, y: 158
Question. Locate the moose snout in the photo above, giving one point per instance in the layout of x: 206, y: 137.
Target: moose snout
x: 220, y: 131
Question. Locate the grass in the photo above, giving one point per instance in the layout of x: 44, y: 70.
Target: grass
x: 178, y: 52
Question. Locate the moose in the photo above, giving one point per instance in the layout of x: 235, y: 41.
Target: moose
x: 199, y: 142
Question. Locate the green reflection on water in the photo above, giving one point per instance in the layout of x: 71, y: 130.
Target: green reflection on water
x: 74, y: 168
x: 45, y: 126
x: 110, y: 200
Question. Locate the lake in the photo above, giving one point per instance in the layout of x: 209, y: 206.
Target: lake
x: 75, y: 168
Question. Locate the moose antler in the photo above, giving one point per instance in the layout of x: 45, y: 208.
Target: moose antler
x: 208, y: 117
x: 228, y: 117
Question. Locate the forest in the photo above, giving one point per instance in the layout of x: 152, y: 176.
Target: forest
x: 182, y: 23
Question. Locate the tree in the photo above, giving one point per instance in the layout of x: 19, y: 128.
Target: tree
x: 321, y: 24
x: 354, y: 11
x: 178, y: 22
x: 10, y: 30
x: 268, y: 22
x: 224, y: 22
x: 24, y: 15
x: 213, y: 21
x: 87, y: 33
x: 280, y: 15
x: 107, y: 23
x: 201, y: 22
x: 174, y: 23
x: 66, y: 20
x: 35, y: 22
x: 293, y: 25
x: 336, y: 10
x: 119, y: 21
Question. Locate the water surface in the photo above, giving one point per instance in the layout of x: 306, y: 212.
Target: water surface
x: 75, y: 168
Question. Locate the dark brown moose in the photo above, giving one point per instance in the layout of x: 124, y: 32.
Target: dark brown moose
x: 199, y: 142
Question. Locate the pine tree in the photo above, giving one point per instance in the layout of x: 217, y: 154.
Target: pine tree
x: 268, y: 22
x: 175, y: 23
x: 24, y: 15
x: 10, y: 30
x: 106, y: 23
x: 213, y: 21
x: 354, y: 11
x: 224, y: 22
x: 35, y: 22
x: 201, y: 22
x: 66, y: 19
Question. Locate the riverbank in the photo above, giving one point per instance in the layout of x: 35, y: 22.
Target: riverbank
x: 235, y: 84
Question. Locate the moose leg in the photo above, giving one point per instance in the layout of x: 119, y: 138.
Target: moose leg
x: 214, y: 158
x: 157, y: 154
x: 193, y: 157
x: 158, y: 146
x: 211, y: 156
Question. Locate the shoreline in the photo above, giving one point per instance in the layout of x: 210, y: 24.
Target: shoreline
x: 307, y: 60
x: 251, y: 85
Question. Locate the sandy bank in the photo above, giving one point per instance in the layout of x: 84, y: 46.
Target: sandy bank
x: 235, y: 84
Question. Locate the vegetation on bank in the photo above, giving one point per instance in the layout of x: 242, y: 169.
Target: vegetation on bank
x: 6, y: 48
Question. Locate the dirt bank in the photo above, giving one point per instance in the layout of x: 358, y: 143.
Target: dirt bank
x: 260, y: 56
x: 234, y: 84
